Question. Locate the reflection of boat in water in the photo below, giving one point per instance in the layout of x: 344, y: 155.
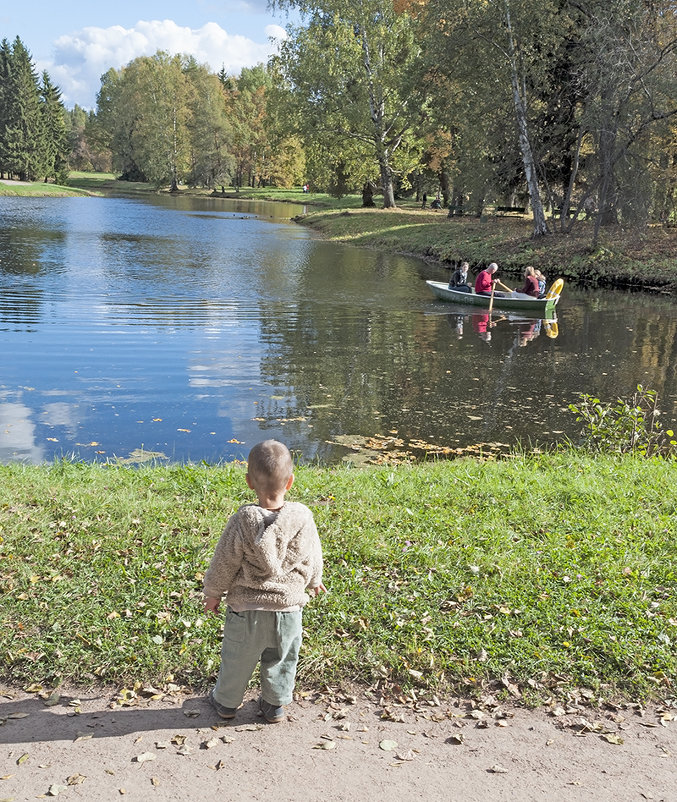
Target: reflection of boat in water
x: 536, y: 307
x: 526, y: 328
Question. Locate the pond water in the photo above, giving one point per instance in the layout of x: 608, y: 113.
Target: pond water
x: 189, y: 329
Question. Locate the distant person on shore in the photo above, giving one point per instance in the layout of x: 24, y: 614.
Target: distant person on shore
x: 267, y: 557
x: 530, y: 286
x: 425, y: 200
x: 459, y: 278
x: 485, y: 281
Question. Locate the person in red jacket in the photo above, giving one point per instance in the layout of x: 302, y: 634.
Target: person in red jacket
x: 485, y: 280
x: 530, y: 283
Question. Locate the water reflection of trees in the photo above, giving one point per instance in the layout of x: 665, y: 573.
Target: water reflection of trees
x: 362, y: 367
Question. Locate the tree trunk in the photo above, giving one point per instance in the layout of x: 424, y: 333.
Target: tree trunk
x: 387, y: 183
x: 540, y: 224
x: 445, y: 186
x: 368, y: 195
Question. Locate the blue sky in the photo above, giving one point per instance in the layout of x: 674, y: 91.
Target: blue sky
x: 78, y: 40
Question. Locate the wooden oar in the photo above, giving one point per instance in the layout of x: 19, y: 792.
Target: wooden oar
x: 491, y: 301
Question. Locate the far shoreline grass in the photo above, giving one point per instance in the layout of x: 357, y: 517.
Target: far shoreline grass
x: 550, y: 572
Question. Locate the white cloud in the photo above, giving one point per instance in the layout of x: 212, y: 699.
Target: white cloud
x: 82, y: 57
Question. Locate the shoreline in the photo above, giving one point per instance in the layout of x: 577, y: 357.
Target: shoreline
x: 642, y: 260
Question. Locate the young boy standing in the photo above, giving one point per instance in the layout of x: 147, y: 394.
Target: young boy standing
x: 268, y: 555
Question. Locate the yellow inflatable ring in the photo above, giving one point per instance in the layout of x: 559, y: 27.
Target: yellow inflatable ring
x: 555, y: 290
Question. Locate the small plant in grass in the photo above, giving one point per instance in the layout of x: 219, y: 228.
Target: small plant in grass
x: 624, y: 426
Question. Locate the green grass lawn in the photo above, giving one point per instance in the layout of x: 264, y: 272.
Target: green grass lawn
x: 553, y: 571
x: 37, y: 189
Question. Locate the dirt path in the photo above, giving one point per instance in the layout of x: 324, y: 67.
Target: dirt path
x: 335, y: 747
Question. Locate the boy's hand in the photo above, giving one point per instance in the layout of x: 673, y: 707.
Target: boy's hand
x: 211, y: 605
x: 319, y: 589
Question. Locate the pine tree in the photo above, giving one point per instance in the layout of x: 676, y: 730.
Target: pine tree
x: 5, y: 74
x: 56, y: 136
x: 23, y: 146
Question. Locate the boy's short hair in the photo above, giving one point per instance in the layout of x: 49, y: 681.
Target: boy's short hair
x: 270, y: 465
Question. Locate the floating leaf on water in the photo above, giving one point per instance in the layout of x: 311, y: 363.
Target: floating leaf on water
x: 139, y: 455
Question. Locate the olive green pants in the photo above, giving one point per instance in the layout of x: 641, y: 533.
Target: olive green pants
x: 254, y: 636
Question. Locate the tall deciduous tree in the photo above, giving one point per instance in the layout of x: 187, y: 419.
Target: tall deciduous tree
x: 500, y: 50
x: 352, y: 70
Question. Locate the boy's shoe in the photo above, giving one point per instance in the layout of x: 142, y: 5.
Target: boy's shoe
x: 273, y: 714
x: 224, y: 712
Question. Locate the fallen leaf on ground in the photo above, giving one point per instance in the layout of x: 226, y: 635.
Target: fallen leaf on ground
x: 155, y: 781
x: 55, y: 790
x: 22, y: 759
x: 144, y: 757
x: 76, y: 779
x: 409, y: 755
x: 211, y: 743
x: 387, y: 745
x: 497, y: 769
x: 612, y: 738
x: 325, y: 745
x: 18, y: 715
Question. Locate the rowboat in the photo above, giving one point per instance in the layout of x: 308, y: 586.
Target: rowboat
x: 536, y: 307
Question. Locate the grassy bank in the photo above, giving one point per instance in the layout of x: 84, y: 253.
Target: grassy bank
x: 552, y: 571
x: 623, y: 259
x: 37, y: 189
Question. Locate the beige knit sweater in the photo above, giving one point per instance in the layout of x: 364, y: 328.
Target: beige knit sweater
x: 264, y: 565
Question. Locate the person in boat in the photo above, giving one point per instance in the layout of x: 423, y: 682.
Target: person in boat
x: 459, y: 279
x: 485, y: 281
x: 541, y: 283
x: 530, y: 283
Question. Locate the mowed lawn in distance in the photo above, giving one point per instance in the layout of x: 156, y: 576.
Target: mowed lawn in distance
x: 550, y: 570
